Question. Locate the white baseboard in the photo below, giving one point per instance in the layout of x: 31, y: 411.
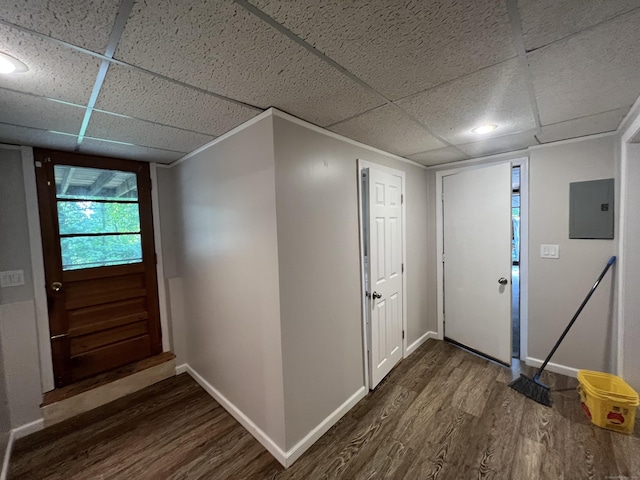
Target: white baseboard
x: 553, y: 367
x: 415, y: 345
x: 7, y: 454
x: 245, y: 421
x: 285, y: 458
x: 28, y: 429
x: 181, y: 368
x: 303, y: 445
x: 16, y: 433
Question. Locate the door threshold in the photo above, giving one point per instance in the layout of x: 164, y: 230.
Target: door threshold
x: 80, y: 397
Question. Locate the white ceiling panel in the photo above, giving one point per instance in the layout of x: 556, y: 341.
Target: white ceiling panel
x: 495, y: 95
x: 54, y: 71
x: 389, y: 129
x: 39, y: 112
x: 495, y: 145
x: 545, y: 21
x: 222, y: 48
x: 438, y: 156
x: 133, y: 93
x: 86, y: 23
x: 401, y: 48
x: 591, y: 72
x: 579, y: 127
x: 131, y: 152
x: 138, y: 132
x: 37, y: 138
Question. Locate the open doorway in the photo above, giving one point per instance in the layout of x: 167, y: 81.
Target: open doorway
x: 515, y: 261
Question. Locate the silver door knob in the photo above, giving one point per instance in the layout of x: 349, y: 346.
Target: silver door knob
x: 503, y: 281
x: 56, y: 286
x: 376, y: 295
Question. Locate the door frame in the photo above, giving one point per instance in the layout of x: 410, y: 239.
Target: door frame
x: 523, y: 163
x: 37, y: 267
x: 366, y: 332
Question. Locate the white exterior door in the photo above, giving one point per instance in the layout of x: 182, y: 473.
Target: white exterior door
x: 477, y: 259
x: 385, y: 273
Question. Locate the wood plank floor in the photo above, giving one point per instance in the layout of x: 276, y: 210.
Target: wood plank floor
x: 442, y: 413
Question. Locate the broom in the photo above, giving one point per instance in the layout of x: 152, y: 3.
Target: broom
x: 533, y: 387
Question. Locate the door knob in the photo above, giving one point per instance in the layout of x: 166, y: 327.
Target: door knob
x: 503, y: 281
x: 376, y: 295
x: 56, y: 286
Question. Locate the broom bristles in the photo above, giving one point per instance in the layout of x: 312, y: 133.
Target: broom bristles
x: 529, y: 388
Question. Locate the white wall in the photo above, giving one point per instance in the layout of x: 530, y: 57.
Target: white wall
x: 319, y: 253
x: 630, y: 308
x: 558, y: 287
x: 228, y: 261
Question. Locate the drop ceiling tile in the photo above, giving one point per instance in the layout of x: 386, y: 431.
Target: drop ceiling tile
x: 54, y: 71
x: 130, y: 130
x: 34, y: 137
x: 86, y: 23
x: 144, y: 96
x: 387, y: 128
x: 130, y: 152
x: 592, y: 72
x: 439, y: 156
x: 400, y: 48
x: 545, y: 21
x: 222, y: 48
x: 495, y: 95
x: 507, y: 143
x: 39, y: 112
x: 580, y: 127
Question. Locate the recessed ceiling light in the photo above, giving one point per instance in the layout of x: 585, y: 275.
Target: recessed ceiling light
x: 9, y: 64
x: 484, y: 129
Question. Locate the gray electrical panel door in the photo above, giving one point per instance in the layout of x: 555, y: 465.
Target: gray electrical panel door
x: 591, y: 209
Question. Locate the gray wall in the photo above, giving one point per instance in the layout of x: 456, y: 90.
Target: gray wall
x: 14, y: 230
x: 319, y: 258
x: 557, y: 287
x: 226, y: 209
x: 173, y: 283
x: 631, y: 280
x: 20, y: 357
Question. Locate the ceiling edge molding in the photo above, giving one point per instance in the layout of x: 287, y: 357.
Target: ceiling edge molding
x: 328, y: 133
x: 630, y: 124
x: 303, y: 123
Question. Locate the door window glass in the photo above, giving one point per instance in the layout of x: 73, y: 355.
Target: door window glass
x: 98, y: 217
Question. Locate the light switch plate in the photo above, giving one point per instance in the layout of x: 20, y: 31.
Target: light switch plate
x: 549, y: 251
x: 11, y: 278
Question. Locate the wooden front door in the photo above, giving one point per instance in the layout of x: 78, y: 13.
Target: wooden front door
x: 99, y: 257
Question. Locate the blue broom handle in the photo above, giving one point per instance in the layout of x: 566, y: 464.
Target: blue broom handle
x: 566, y: 330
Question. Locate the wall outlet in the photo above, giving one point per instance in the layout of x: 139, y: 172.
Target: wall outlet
x: 11, y: 278
x: 549, y: 251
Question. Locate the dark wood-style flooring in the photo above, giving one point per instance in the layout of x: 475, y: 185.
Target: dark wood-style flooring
x: 442, y: 413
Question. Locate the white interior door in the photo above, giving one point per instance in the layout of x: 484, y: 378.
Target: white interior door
x: 385, y: 273
x: 477, y: 259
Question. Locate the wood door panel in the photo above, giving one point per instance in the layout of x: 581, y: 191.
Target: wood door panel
x: 101, y: 316
x: 85, y: 343
x: 109, y: 357
x: 103, y: 290
x: 102, y: 272
x: 100, y: 298
x: 109, y: 315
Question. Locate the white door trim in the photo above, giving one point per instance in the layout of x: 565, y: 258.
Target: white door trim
x: 624, y: 140
x: 37, y: 270
x: 523, y: 163
x: 363, y: 164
